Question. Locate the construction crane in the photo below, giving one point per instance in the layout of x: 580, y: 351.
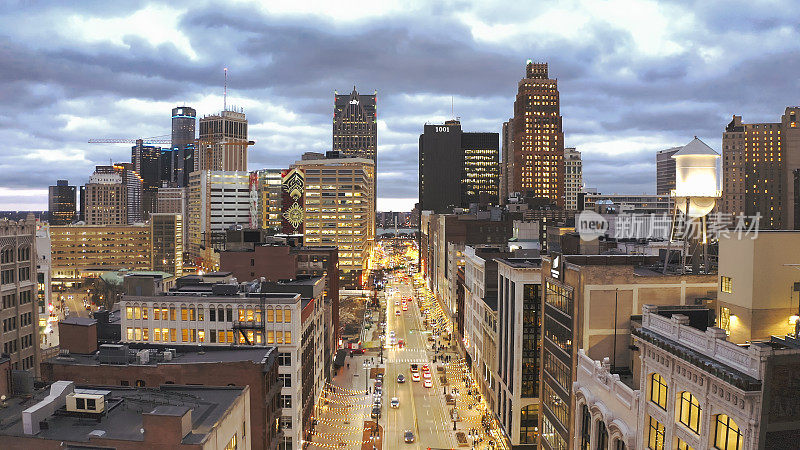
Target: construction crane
x: 163, y: 139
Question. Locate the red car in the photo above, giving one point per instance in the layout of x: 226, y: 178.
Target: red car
x: 357, y: 351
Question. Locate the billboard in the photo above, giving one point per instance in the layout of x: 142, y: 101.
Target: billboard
x: 293, y: 184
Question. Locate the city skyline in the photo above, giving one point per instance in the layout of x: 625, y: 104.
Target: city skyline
x: 654, y: 82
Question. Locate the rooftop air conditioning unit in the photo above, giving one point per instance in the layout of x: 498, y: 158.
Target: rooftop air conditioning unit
x: 86, y: 403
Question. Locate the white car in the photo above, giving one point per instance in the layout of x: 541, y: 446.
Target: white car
x: 397, y: 303
x: 428, y: 383
x: 395, y: 403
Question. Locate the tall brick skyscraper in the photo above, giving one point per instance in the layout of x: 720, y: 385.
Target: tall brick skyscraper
x: 538, y: 168
x: 761, y: 170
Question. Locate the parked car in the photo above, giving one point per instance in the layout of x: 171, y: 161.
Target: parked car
x: 376, y: 412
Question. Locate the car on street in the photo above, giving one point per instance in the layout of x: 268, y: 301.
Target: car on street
x: 414, y: 368
x: 401, y: 378
x: 378, y: 384
x: 426, y: 375
x: 391, y: 333
x: 376, y: 412
x: 396, y: 312
x: 405, y: 306
x: 397, y: 303
x: 425, y: 368
x: 428, y: 383
x: 408, y: 436
x: 415, y: 376
x: 395, y: 403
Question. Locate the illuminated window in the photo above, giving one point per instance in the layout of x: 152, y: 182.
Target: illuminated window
x: 157, y: 334
x: 727, y: 435
x: 184, y: 313
x: 683, y: 445
x: 287, y: 337
x: 278, y: 315
x: 270, y: 315
x: 129, y: 312
x: 689, y: 412
x: 130, y: 333
x: 726, y: 284
x: 184, y: 335
x: 201, y: 336
x: 270, y: 337
x: 287, y: 315
x: 725, y: 319
x: 655, y: 435
x: 145, y: 334
x: 137, y: 312
x: 658, y: 390
x: 173, y: 334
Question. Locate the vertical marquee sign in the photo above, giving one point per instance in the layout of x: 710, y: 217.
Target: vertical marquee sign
x: 293, y: 184
x: 253, y: 200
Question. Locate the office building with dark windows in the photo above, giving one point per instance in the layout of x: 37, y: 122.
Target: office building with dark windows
x: 61, y: 203
x: 538, y: 167
x: 355, y: 125
x: 147, y: 162
x: 507, y: 161
x: 184, y: 120
x: 518, y: 350
x: 457, y: 169
x: 665, y: 170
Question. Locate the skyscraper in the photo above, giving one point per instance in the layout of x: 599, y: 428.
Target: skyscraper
x: 106, y: 199
x: 665, y: 170
x: 223, y: 142
x: 147, y: 162
x: 538, y: 168
x: 341, y: 188
x: 184, y: 119
x: 457, y: 168
x: 761, y: 170
x: 61, y: 203
x: 573, y: 178
x: 355, y: 127
x: 507, y: 161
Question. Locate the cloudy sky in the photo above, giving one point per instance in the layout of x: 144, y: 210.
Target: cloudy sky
x: 634, y: 77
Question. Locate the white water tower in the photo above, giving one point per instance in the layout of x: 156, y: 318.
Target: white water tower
x: 695, y: 195
x: 696, y: 179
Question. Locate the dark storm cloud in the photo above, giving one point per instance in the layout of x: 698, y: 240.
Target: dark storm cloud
x: 59, y: 89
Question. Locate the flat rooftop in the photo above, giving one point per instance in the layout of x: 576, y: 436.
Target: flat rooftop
x: 125, y: 407
x: 185, y: 354
x: 521, y: 263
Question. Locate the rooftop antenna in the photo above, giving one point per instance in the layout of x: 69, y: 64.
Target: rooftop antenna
x: 225, y: 91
